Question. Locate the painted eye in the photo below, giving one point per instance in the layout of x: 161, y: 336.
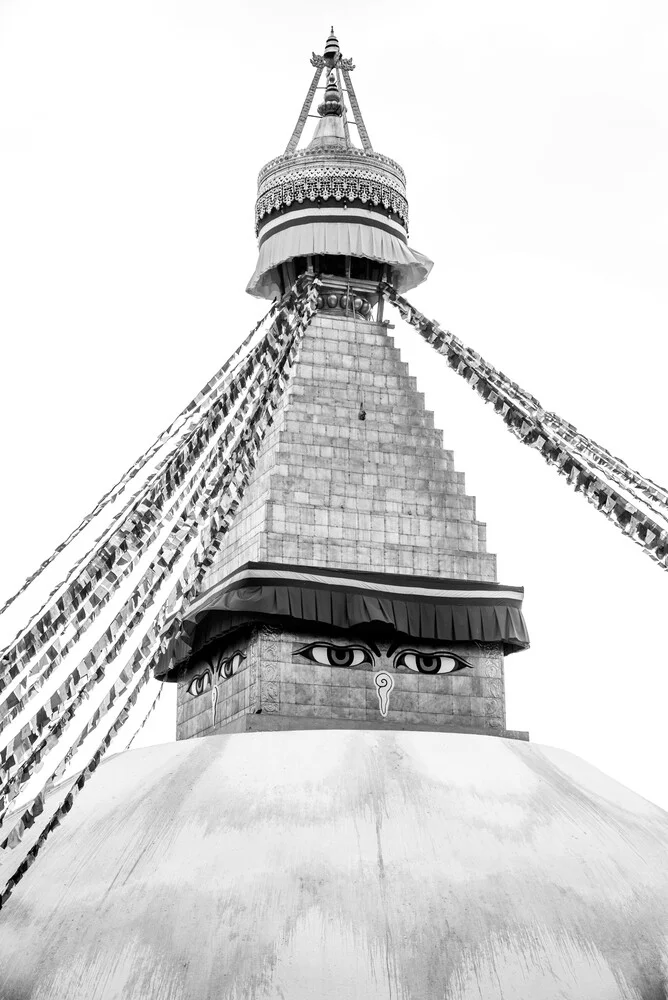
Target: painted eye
x: 200, y: 683
x: 231, y: 664
x: 335, y: 656
x: 429, y: 663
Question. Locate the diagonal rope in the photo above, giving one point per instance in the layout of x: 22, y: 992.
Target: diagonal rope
x: 28, y: 744
x: 588, y: 468
x: 164, y: 626
x: 143, y: 459
x: 217, y: 412
x: 33, y: 739
x: 125, y: 533
x: 159, y: 477
x: 147, y: 715
x: 646, y: 489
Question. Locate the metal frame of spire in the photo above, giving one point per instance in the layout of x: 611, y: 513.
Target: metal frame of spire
x: 306, y: 107
x: 344, y: 114
x: 352, y: 97
x: 343, y: 68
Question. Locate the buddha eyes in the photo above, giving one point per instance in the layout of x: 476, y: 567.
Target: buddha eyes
x: 200, y: 683
x: 429, y: 663
x: 330, y: 655
x: 226, y: 667
x: 230, y: 664
x: 335, y: 656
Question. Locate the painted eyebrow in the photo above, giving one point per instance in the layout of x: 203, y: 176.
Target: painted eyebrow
x: 201, y: 673
x: 394, y: 647
x: 344, y: 645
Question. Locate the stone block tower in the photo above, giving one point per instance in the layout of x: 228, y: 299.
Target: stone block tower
x: 354, y: 589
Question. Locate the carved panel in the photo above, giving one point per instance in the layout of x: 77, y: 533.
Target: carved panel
x: 255, y: 694
x: 269, y: 668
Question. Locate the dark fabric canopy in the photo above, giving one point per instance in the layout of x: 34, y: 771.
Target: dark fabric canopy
x: 423, y: 608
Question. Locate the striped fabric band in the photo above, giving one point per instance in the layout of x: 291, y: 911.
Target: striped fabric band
x: 380, y: 584
x: 420, y: 607
x: 306, y: 216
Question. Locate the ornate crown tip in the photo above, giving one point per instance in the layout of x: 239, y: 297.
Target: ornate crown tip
x: 332, y: 52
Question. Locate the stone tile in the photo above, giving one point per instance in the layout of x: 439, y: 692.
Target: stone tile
x: 304, y: 694
x: 461, y: 705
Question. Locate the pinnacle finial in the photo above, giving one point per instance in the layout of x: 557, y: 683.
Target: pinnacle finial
x: 332, y: 51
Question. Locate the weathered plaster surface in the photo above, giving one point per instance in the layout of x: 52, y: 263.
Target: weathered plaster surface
x: 385, y: 865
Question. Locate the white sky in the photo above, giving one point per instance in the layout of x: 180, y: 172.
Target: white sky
x: 535, y: 140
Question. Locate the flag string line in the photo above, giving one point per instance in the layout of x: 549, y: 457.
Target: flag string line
x: 559, y: 443
x: 26, y: 741
x: 96, y: 601
x: 165, y: 625
x: 118, y: 488
x: 143, y: 509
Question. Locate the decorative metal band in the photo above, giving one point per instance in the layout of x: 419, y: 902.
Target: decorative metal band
x: 308, y: 156
x: 319, y: 183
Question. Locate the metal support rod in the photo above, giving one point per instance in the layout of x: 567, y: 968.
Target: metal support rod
x: 306, y: 107
x: 343, y: 106
x: 361, y: 127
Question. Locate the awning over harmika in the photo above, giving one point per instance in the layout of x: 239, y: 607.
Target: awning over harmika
x: 420, y: 607
x: 334, y: 230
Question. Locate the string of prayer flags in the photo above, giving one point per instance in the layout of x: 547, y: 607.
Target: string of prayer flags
x: 221, y: 493
x: 117, y: 554
x: 143, y: 459
x: 578, y: 459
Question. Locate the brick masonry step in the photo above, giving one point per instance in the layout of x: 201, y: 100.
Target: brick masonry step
x: 320, y: 461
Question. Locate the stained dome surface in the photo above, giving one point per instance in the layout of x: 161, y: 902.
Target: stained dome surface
x: 317, y: 864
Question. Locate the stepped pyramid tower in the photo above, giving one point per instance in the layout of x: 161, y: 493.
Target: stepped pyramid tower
x: 355, y: 559
x: 354, y: 818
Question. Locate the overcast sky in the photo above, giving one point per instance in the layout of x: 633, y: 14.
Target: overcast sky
x: 535, y: 141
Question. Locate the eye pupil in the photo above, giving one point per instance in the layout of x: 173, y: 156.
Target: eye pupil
x: 340, y: 657
x: 428, y: 664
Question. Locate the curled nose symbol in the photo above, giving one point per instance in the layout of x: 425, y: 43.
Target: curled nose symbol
x: 384, y: 683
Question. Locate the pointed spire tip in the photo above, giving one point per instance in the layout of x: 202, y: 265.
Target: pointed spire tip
x: 332, y: 52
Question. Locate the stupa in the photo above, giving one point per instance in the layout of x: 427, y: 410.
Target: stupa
x: 344, y: 812
x: 355, y: 522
